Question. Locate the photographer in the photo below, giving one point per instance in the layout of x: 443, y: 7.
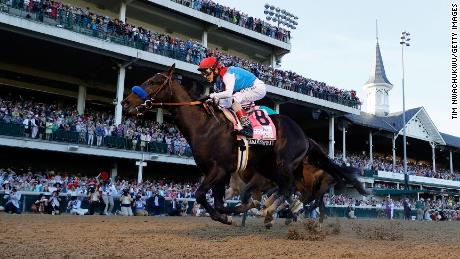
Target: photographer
x: 55, y: 203
x: 12, y: 205
x: 94, y: 199
x: 74, y: 206
x: 139, y: 206
x: 40, y: 204
x: 175, y: 208
x: 126, y: 202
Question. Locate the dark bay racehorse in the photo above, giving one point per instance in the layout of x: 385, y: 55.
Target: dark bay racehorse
x: 313, y: 178
x: 214, y: 147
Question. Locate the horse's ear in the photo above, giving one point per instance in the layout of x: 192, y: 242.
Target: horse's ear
x: 171, y: 69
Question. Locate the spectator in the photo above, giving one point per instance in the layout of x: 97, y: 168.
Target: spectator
x: 184, y: 208
x: 420, y: 207
x: 126, y: 203
x: 12, y: 205
x: 55, y: 203
x: 175, y: 208
x: 94, y: 199
x: 407, y: 209
x: 99, y: 134
x: 389, y: 208
x: 351, y: 212
x: 40, y: 204
x: 108, y: 191
x: 139, y: 206
x: 74, y: 206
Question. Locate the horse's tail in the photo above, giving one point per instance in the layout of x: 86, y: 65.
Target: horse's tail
x: 317, y: 157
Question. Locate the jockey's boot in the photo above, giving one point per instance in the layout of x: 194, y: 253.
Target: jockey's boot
x: 243, y: 117
x: 247, y: 128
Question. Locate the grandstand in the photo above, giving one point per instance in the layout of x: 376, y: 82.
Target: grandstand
x: 71, y: 63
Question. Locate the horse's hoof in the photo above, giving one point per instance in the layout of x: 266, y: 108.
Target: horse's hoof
x: 230, y: 220
x: 261, y: 213
x: 268, y: 225
x: 288, y: 221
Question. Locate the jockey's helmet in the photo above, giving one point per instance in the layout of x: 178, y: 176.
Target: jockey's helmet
x: 208, y: 65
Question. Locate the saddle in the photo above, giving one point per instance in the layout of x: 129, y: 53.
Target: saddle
x: 263, y: 127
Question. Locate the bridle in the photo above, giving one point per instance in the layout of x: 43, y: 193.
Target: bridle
x: 149, y: 103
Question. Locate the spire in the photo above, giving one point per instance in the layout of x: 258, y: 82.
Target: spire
x: 378, y: 70
x: 378, y: 86
x: 376, y: 32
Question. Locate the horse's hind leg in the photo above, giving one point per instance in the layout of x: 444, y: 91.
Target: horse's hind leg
x: 247, y: 202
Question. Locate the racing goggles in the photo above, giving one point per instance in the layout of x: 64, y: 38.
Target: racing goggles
x: 206, y: 72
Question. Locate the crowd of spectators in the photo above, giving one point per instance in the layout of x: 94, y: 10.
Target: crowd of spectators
x: 384, y: 163
x: 237, y: 17
x: 134, y: 196
x: 191, y: 51
x: 439, y: 209
x: 99, y: 193
x: 50, y: 181
x: 41, y: 119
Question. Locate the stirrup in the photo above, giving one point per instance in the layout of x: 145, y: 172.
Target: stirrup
x: 246, y: 131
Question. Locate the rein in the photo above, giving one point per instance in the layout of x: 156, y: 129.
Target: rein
x: 149, y: 104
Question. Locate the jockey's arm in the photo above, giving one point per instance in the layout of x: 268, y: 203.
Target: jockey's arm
x: 229, y: 81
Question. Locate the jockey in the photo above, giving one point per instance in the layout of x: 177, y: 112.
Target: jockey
x: 233, y: 87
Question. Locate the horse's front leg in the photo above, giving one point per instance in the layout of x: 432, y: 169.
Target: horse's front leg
x: 214, y: 179
x: 219, y: 193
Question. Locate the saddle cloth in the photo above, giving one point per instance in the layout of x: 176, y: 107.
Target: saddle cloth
x: 262, y: 125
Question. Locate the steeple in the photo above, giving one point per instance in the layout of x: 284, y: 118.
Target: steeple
x: 378, y: 85
x: 378, y: 70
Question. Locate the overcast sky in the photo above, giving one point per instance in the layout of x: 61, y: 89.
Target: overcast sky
x: 335, y: 43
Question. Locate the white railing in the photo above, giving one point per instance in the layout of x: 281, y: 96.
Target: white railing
x: 419, y: 179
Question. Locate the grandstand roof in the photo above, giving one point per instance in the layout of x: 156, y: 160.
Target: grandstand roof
x: 450, y: 140
x: 378, y: 75
x: 371, y: 121
x: 395, y: 118
x: 393, y: 123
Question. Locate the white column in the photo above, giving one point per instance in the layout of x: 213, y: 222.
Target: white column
x: 114, y: 171
x: 140, y: 170
x: 204, y: 38
x: 451, y: 163
x: 123, y: 11
x: 120, y: 90
x: 371, y: 160
x: 433, y: 151
x: 397, y: 186
x: 81, y: 99
x: 394, y: 151
x: 273, y: 59
x: 277, y: 108
x: 331, y: 136
x: 160, y: 115
x: 344, y: 147
x: 140, y: 165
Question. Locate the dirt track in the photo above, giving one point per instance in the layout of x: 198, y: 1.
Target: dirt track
x: 176, y: 237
